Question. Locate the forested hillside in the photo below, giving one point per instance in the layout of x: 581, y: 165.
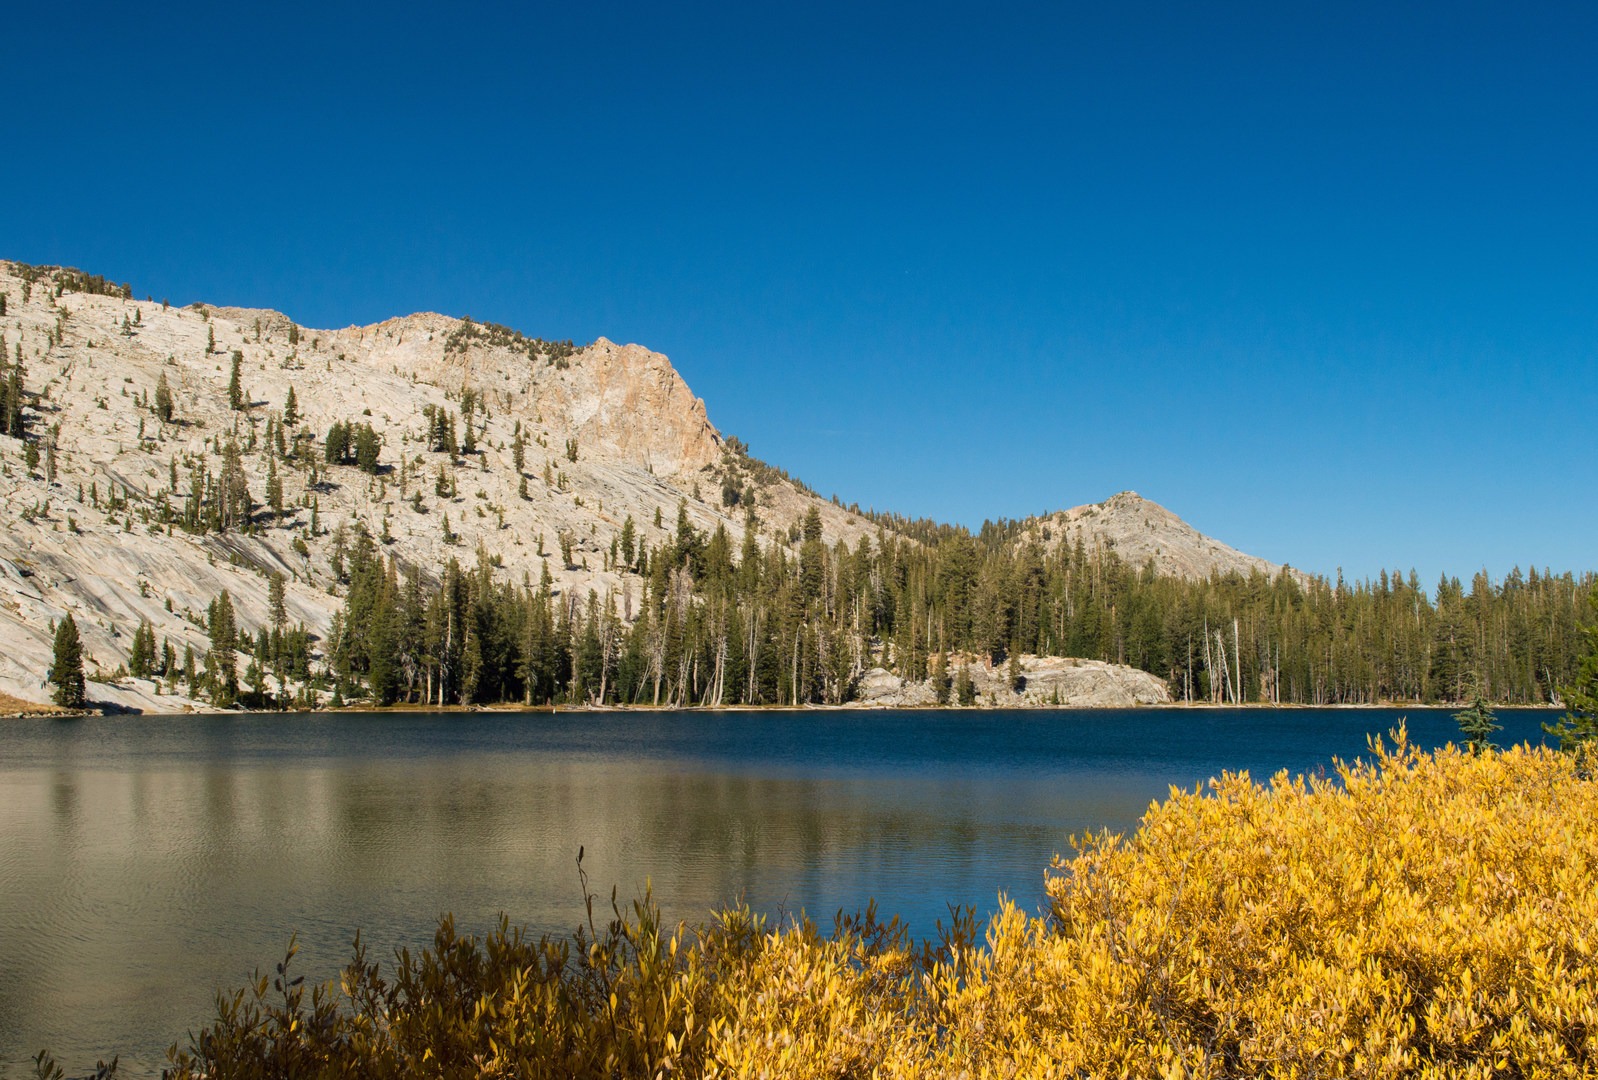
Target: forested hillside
x: 704, y: 620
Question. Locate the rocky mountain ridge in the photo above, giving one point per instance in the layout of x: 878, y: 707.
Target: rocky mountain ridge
x: 607, y: 434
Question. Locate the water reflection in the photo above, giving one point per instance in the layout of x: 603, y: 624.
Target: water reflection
x: 146, y: 863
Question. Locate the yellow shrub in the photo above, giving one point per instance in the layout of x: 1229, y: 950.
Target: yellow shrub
x: 1421, y: 915
x: 1424, y: 913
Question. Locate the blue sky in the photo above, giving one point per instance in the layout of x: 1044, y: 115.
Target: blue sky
x: 1320, y: 280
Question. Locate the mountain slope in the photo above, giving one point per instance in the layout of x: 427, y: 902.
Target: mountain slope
x: 1141, y: 531
x: 612, y: 432
x: 119, y: 514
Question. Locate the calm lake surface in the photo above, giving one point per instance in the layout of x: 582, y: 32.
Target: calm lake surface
x: 147, y: 862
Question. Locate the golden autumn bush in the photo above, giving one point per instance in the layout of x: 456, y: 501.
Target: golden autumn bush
x: 1423, y: 914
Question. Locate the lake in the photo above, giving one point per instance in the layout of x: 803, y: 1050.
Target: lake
x: 146, y: 862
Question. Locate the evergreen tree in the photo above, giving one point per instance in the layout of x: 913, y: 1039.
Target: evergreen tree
x: 66, y: 671
x: 367, y: 448
x: 291, y: 408
x: 1579, y: 725
x: 235, y: 387
x: 629, y: 537
x: 163, y: 399
x: 1477, y: 723
x: 221, y: 663
x: 940, y: 679
x: 276, y: 601
x: 11, y: 420
x: 233, y: 504
x: 141, y: 656
x: 965, y: 690
x: 274, y: 487
x: 338, y: 443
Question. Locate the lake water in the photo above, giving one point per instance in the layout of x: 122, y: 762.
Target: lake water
x: 147, y: 862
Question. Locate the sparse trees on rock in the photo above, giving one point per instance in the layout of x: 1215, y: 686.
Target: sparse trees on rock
x: 354, y: 444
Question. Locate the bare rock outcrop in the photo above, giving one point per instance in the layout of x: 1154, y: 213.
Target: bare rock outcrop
x: 1046, y: 681
x: 1140, y: 531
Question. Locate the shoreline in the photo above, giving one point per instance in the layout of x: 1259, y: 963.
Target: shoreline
x: 9, y: 709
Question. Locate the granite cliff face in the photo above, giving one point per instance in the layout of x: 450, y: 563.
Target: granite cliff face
x: 622, y: 401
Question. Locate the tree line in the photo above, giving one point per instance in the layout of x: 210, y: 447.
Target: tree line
x: 702, y: 620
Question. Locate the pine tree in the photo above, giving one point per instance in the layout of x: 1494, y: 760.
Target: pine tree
x: 337, y: 446
x: 235, y: 503
x: 276, y: 601
x: 367, y: 447
x: 629, y: 539
x: 965, y: 690
x: 1477, y: 723
x: 274, y: 486
x: 163, y: 400
x: 235, y: 387
x: 1579, y: 725
x: 141, y: 657
x: 67, y: 669
x: 291, y: 408
x: 11, y: 421
x: 940, y: 679
x: 221, y: 663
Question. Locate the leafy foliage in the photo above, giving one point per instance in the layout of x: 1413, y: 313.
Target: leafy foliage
x: 1420, y: 915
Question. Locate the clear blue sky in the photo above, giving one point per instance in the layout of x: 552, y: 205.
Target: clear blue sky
x: 1321, y: 279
